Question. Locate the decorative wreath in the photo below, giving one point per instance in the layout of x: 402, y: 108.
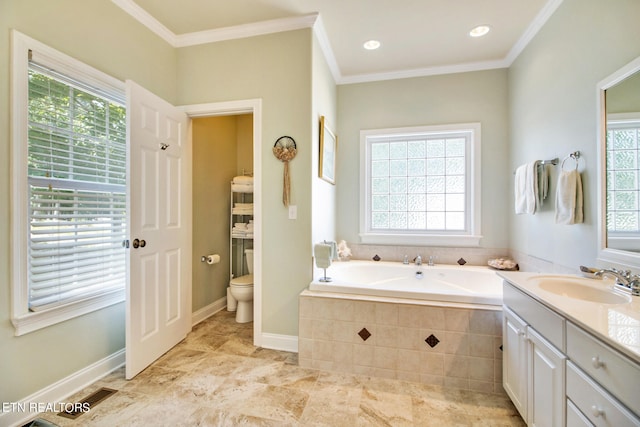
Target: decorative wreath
x: 285, y: 150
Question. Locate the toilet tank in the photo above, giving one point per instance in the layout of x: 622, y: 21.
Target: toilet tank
x: 249, y: 254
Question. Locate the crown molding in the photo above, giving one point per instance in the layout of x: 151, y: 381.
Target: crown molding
x: 219, y: 34
x: 423, y: 72
x: 538, y: 22
x: 246, y: 30
x: 147, y: 20
x: 314, y: 21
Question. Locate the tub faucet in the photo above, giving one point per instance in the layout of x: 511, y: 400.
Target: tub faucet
x: 624, y: 278
x: 418, y: 260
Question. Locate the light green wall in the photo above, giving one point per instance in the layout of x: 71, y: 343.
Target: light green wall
x: 454, y: 98
x: 552, y: 99
x: 277, y: 69
x: 99, y: 34
x: 324, y: 104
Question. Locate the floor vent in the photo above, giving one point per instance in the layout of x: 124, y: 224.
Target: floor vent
x: 88, y: 403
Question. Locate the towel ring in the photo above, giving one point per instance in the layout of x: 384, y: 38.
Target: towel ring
x: 573, y: 156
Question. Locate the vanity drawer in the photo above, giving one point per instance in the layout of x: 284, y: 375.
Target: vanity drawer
x: 615, y: 372
x: 595, y: 403
x: 575, y: 418
x: 546, y: 322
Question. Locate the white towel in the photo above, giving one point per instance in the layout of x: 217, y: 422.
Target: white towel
x: 569, y: 204
x: 526, y: 188
x: 242, y: 179
x: 324, y: 254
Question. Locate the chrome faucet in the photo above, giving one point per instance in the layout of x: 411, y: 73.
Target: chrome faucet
x: 624, y: 278
x: 418, y: 260
x: 405, y: 260
x: 431, y: 262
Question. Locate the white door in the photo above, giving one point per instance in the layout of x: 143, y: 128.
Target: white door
x: 159, y: 212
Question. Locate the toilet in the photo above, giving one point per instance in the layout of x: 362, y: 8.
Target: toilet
x: 241, y: 289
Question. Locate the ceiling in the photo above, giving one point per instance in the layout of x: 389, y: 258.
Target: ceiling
x: 418, y: 37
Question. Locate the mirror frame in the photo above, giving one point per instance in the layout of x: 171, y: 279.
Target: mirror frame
x: 608, y: 255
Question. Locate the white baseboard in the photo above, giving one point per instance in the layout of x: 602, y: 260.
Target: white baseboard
x: 58, y: 391
x: 208, y: 311
x: 280, y: 342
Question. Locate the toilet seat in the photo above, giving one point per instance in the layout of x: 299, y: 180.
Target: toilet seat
x: 242, y: 281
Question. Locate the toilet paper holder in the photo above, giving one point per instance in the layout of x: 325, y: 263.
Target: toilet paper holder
x: 210, y: 259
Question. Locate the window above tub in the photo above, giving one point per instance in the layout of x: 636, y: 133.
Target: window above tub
x: 421, y: 185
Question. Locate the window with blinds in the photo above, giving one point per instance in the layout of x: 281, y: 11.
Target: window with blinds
x: 77, y: 190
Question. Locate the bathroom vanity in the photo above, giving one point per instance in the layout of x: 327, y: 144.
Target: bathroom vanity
x: 571, y: 350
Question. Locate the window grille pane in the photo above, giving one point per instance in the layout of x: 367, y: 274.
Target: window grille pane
x: 380, y: 185
x: 435, y: 184
x: 380, y: 219
x: 416, y: 149
x: 77, y: 192
x: 380, y: 203
x: 417, y: 202
x: 435, y: 148
x: 435, y: 166
x: 417, y: 220
x: 417, y: 184
x: 398, y: 220
x: 398, y: 168
x: 379, y: 151
x: 398, y: 185
x: 398, y: 150
x: 416, y: 167
x: 398, y: 202
x: 380, y: 168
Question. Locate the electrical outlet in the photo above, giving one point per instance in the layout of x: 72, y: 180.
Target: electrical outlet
x: 293, y: 212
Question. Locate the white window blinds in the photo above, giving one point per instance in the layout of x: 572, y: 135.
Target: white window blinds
x: 77, y: 191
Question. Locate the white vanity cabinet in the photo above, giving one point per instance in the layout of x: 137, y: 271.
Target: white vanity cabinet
x: 559, y: 374
x: 533, y: 368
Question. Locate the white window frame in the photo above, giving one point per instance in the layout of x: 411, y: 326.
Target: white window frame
x: 465, y: 238
x: 24, y: 320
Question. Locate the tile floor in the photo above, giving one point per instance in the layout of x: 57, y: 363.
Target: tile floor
x: 216, y: 377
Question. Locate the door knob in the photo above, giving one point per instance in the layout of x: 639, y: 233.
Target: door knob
x: 137, y: 243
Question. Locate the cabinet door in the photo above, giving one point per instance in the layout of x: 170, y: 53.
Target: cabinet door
x: 515, y: 360
x: 546, y: 383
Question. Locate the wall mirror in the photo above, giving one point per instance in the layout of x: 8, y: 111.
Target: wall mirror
x: 619, y: 167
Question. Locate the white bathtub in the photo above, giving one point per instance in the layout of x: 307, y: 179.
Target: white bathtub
x: 447, y: 283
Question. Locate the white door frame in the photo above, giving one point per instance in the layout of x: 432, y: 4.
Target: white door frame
x: 248, y: 106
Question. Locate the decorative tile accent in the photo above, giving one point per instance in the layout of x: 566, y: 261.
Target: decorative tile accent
x: 376, y: 258
x: 364, y: 334
x: 432, y: 340
x: 462, y: 261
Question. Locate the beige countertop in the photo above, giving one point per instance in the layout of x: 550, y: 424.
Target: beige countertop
x: 616, y: 324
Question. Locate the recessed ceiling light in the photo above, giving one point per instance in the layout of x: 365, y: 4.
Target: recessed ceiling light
x: 371, y: 44
x: 479, y: 31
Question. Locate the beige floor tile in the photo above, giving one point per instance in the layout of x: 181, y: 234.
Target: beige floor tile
x: 216, y: 377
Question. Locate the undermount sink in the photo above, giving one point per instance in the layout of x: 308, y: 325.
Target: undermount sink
x: 581, y: 289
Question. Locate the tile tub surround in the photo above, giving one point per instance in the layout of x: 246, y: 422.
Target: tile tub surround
x: 216, y: 377
x: 423, y: 342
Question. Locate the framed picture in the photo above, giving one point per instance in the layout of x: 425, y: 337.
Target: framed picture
x: 328, y: 147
